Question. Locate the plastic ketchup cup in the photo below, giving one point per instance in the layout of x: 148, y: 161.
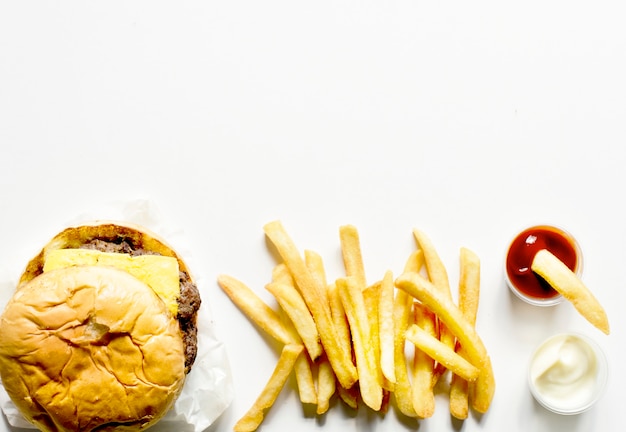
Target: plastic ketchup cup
x: 522, y: 281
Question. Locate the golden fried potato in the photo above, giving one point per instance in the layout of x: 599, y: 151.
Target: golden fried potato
x: 354, y: 305
x: 469, y: 292
x: 562, y: 279
x: 254, y: 417
x: 452, y: 317
x: 313, y: 295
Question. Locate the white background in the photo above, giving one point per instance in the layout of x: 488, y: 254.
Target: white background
x: 468, y: 120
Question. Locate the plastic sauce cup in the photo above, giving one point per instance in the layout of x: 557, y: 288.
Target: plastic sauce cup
x: 567, y: 373
x: 522, y: 281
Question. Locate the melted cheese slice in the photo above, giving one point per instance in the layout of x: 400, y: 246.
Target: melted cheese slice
x: 158, y: 272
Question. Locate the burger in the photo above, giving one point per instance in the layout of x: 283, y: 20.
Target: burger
x: 101, y: 331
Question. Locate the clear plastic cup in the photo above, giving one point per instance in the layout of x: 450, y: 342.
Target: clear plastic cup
x: 519, y: 277
x: 567, y: 373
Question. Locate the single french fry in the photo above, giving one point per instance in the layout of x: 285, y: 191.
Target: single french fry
x: 312, y: 294
x: 294, y: 306
x: 469, y: 293
x: 315, y: 264
x: 351, y: 252
x: 386, y: 330
x: 340, y: 321
x: 254, y: 416
x: 402, y: 390
x: 254, y: 308
x: 423, y: 366
x: 353, y: 303
x: 371, y: 298
x: 440, y: 352
x: 469, y: 284
x: 563, y: 280
x: 483, y: 389
x: 459, y: 394
x: 304, y: 379
x: 326, y: 385
x: 424, y: 291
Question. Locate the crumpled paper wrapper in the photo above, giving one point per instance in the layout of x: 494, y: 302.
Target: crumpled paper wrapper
x: 208, y: 389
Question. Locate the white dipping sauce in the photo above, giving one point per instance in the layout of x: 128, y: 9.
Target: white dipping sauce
x: 567, y: 373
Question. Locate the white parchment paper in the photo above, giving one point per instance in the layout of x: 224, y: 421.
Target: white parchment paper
x: 208, y: 389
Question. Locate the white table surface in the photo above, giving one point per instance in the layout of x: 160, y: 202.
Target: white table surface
x: 468, y: 121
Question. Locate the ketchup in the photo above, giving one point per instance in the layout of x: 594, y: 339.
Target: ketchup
x: 522, y: 251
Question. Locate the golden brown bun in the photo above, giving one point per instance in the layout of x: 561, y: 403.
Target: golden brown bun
x: 140, y: 238
x: 86, y: 347
x: 76, y: 236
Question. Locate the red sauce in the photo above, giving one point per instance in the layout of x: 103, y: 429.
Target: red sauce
x: 522, y: 251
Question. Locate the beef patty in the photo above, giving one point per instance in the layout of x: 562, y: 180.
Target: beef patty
x: 188, y: 301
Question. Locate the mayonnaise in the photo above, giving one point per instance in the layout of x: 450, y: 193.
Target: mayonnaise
x: 566, y: 373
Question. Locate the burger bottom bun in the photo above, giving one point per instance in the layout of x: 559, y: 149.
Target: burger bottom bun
x: 77, y: 236
x: 87, y: 348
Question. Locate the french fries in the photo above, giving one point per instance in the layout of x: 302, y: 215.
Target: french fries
x: 346, y: 338
x: 270, y: 321
x: 295, y: 307
x: 438, y: 275
x: 452, y: 317
x: 312, y: 293
x: 563, y: 280
x: 303, y: 366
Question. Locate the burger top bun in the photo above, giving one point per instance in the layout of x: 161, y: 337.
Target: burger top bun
x: 90, y: 347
